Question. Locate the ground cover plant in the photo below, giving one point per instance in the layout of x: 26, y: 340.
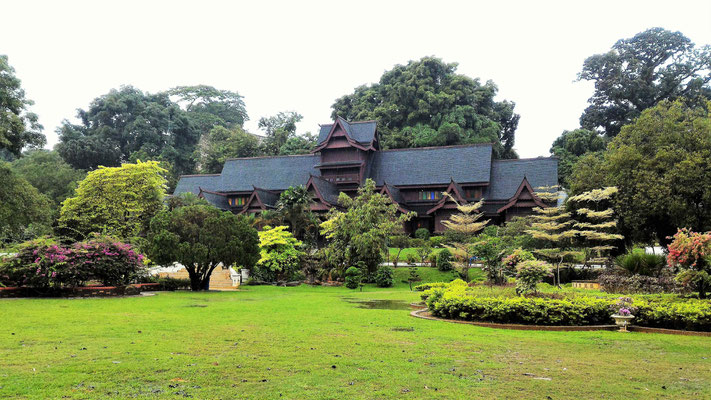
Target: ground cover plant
x: 310, y: 343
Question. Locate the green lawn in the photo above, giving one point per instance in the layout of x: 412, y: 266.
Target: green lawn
x: 407, y: 251
x: 310, y: 343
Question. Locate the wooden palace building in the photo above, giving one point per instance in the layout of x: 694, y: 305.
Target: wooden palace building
x: 348, y: 153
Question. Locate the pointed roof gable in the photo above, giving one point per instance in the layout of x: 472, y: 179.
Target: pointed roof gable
x: 262, y: 199
x: 395, y: 196
x: 455, y: 190
x: 524, y: 193
x: 325, y: 191
x: 360, y: 134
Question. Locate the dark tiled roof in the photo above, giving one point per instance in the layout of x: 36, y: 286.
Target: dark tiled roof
x: 267, y: 197
x: 432, y: 165
x: 271, y: 173
x: 217, y: 200
x: 396, y: 195
x: 507, y: 175
x: 193, y: 183
x: 362, y: 132
x: 328, y: 190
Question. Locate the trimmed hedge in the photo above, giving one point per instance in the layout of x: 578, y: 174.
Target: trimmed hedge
x: 457, y: 301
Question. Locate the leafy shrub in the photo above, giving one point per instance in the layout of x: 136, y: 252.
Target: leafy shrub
x: 422, y: 233
x: 109, y: 261
x: 173, y: 284
x: 511, y: 261
x: 520, y: 310
x: 638, y: 262
x: 436, y: 241
x: 280, y: 256
x: 444, y: 260
x: 619, y: 283
x: 384, y: 276
x: 528, y: 274
x: 412, y: 259
x: 690, y: 314
x: 458, y: 301
x: 44, y: 265
x: 426, y: 286
x: 691, y: 252
x: 353, y: 277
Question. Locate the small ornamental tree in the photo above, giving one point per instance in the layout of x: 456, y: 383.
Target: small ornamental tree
x: 515, y: 257
x: 353, y: 277
x: 384, y: 276
x: 444, y: 260
x: 465, y: 224
x: 200, y: 238
x: 118, y: 201
x: 595, y: 224
x: 413, y: 276
x: 489, y: 249
x: 398, y: 242
x: 528, y: 274
x: 553, y: 228
x: 359, y: 234
x: 691, y: 253
x: 280, y: 257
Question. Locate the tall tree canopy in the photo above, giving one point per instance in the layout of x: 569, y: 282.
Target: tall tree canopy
x: 280, y: 135
x: 638, y: 72
x: 49, y: 173
x: 126, y: 125
x: 661, y: 166
x: 18, y: 126
x: 572, y: 145
x: 118, y: 201
x: 426, y: 103
x: 208, y: 107
x: 222, y: 143
x: 22, y: 207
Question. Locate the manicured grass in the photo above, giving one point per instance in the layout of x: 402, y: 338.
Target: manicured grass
x: 310, y: 343
x: 407, y: 251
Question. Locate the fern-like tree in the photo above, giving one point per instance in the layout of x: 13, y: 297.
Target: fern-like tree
x: 466, y: 223
x: 596, y: 224
x: 553, y: 227
x: 294, y: 207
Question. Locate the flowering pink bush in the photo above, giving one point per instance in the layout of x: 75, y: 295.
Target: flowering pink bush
x: 690, y: 252
x: 44, y: 264
x: 689, y: 249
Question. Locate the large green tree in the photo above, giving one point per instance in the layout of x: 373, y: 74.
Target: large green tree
x: 23, y: 209
x: 18, y: 126
x: 222, y: 143
x: 208, y: 107
x: 201, y: 237
x: 638, y: 72
x: 117, y: 201
x: 49, y: 173
x: 126, y: 125
x: 661, y: 165
x: 426, y: 103
x: 294, y: 208
x: 572, y: 145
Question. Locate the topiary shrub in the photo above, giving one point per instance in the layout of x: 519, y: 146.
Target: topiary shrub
x: 436, y: 241
x: 384, y: 276
x: 528, y: 274
x: 444, y: 260
x: 422, y: 233
x: 353, y: 277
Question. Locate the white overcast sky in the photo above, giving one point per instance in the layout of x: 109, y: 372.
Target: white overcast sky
x: 301, y: 56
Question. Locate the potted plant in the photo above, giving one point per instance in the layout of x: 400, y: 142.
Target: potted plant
x: 622, y: 313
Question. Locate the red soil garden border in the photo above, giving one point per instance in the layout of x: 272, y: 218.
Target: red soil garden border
x: 425, y: 314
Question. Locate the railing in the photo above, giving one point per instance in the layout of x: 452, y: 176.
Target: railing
x: 346, y: 178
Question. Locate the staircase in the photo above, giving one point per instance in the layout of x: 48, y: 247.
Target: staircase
x: 221, y: 279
